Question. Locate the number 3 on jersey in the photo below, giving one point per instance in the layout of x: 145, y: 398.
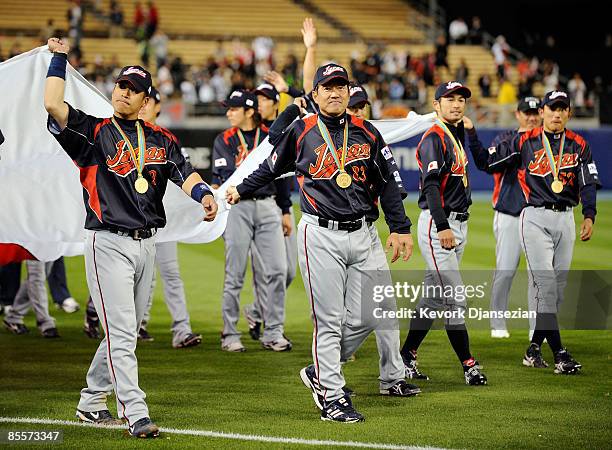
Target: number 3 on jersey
x: 359, y: 173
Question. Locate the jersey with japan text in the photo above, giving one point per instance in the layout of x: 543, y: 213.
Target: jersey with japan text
x: 108, y: 172
x: 507, y: 194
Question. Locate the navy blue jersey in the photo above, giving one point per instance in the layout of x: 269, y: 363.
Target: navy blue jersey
x: 508, y: 197
x: 301, y: 148
x: 108, y: 173
x: 438, y: 157
x: 526, y: 153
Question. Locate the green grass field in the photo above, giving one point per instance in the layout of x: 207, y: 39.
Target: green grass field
x: 259, y: 392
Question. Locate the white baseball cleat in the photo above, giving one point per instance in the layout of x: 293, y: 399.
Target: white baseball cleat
x: 70, y: 305
x: 500, y: 334
x: 235, y: 346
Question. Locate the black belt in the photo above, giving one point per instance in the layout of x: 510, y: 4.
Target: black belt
x: 140, y: 233
x: 460, y: 216
x: 349, y: 225
x: 557, y: 207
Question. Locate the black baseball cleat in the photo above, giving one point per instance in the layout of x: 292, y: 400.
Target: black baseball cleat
x: 473, y: 374
x: 16, y: 328
x: 191, y: 340
x: 401, y: 389
x: 341, y: 410
x: 50, y: 333
x: 102, y: 417
x: 533, y: 357
x: 565, y: 364
x: 254, y: 324
x: 91, y: 328
x: 144, y: 428
x: 309, y: 378
x: 143, y: 335
x: 412, y: 369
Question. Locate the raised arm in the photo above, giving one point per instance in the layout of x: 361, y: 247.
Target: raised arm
x: 56, y: 82
x: 497, y: 158
x: 309, y: 34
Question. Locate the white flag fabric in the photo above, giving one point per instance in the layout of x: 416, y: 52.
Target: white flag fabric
x: 41, y: 199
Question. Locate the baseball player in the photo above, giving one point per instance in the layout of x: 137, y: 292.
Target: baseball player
x: 58, y: 286
x: 255, y: 221
x: 508, y: 202
x: 166, y: 260
x: 91, y: 327
x: 444, y: 198
x: 387, y: 333
x: 124, y: 165
x: 338, y: 160
x: 267, y: 106
x: 555, y: 171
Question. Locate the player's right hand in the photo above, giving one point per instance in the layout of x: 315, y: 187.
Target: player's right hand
x: 56, y: 45
x: 447, y: 239
x: 231, y: 195
x: 301, y: 103
x: 309, y: 33
x: 276, y: 80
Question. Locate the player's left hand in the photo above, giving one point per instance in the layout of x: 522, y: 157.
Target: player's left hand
x: 467, y: 123
x: 586, y: 229
x: 287, y: 224
x: 276, y: 80
x: 231, y: 195
x: 401, y: 245
x: 210, y: 207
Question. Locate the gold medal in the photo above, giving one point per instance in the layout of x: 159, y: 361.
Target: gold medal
x: 556, y: 186
x: 343, y: 180
x: 141, y: 185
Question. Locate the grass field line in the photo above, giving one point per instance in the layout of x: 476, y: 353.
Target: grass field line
x: 222, y: 435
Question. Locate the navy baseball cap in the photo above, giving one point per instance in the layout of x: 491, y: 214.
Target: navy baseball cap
x: 529, y: 104
x: 330, y: 72
x: 241, y: 98
x: 138, y: 77
x: 358, y: 94
x: 154, y: 94
x: 554, y: 97
x: 452, y: 87
x: 267, y: 90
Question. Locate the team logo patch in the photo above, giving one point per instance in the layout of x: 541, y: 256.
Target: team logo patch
x: 122, y: 164
x: 273, y: 158
x: 236, y: 94
x: 332, y: 69
x: 220, y: 162
x: 135, y: 70
x: 432, y: 166
x: 492, y: 150
x: 325, y: 167
x: 397, y: 176
x: 540, y: 167
x: 592, y: 168
x: 387, y: 153
x: 557, y: 94
x: 453, y: 84
x: 355, y: 89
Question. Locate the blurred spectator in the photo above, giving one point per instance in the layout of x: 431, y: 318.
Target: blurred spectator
x: 506, y: 99
x: 499, y: 50
x: 165, y: 85
x: 396, y: 89
x: 550, y: 75
x: 177, y: 71
x: 75, y: 23
x: 458, y: 31
x: 15, y: 48
x: 115, y: 18
x: 47, y: 31
x: 139, y: 22
x: 206, y: 93
x: 152, y: 20
x: 525, y: 87
x: 188, y: 89
x: 290, y: 69
x: 484, y: 82
x: 441, y: 52
x: 462, y: 72
x: 1, y: 55
x: 475, y: 33
x: 577, y: 91
x: 159, y: 45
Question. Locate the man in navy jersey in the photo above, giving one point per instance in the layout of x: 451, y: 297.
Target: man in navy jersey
x: 555, y: 170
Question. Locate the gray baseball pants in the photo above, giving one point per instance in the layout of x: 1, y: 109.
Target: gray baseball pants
x: 119, y: 271
x: 547, y: 238
x: 166, y: 260
x: 257, y: 222
x: 387, y: 333
x: 442, y: 268
x: 334, y: 264
x: 32, y: 292
x: 290, y: 242
x: 507, y: 258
